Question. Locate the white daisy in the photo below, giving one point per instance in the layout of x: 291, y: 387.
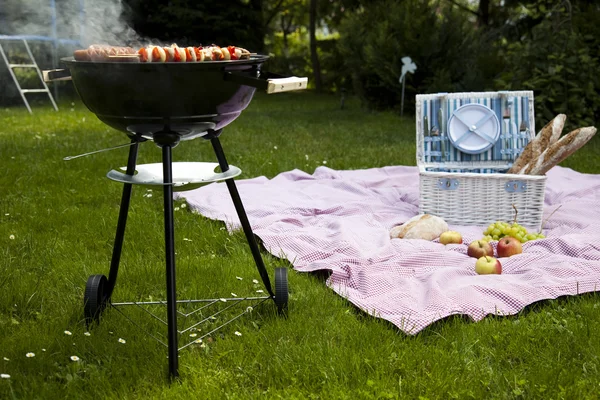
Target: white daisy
x: 29, y: 355
x: 74, y: 358
x: 122, y: 341
x: 198, y: 341
x: 233, y: 294
x: 239, y: 278
x: 193, y: 334
x: 12, y: 237
x: 255, y: 281
x: 6, y: 359
x: 275, y: 147
x: 68, y: 333
x: 183, y: 205
x: 5, y: 376
x: 238, y: 333
x: 260, y: 291
x: 223, y: 300
x: 87, y: 334
x: 324, y: 161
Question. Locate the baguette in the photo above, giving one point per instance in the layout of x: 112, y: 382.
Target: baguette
x: 545, y: 137
x: 560, y: 150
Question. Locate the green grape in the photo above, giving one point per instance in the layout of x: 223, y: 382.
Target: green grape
x: 531, y: 236
x: 495, y: 237
x: 519, y: 237
x: 496, y: 232
x: 514, y: 231
x: 524, y: 240
x: 505, y: 230
x: 523, y: 232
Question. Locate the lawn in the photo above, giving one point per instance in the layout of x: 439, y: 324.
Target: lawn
x: 58, y: 220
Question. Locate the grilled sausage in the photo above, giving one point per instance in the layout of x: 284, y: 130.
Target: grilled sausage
x: 104, y: 53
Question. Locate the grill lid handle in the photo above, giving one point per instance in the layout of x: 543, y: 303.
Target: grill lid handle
x: 269, y: 82
x: 57, y: 75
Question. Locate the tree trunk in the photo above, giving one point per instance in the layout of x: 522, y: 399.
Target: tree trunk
x: 483, y: 14
x: 259, y: 29
x: 284, y: 29
x: 314, y: 56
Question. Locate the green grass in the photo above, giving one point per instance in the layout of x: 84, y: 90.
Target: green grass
x: 63, y: 217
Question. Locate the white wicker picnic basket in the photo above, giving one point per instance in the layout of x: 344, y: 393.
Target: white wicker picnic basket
x: 465, y: 144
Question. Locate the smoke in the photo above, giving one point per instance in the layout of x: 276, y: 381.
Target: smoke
x: 85, y: 21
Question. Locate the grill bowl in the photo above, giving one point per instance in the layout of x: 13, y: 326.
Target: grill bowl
x: 144, y: 98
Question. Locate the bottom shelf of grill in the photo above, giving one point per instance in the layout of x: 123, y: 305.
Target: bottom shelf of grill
x: 186, y: 175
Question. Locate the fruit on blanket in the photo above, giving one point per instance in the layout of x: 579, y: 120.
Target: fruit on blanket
x: 449, y: 237
x: 509, y: 246
x: 488, y: 265
x: 499, y: 230
x: 480, y: 248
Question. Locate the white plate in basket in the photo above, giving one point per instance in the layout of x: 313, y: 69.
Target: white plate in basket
x: 473, y: 128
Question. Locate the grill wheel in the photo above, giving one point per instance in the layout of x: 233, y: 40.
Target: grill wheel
x: 281, y: 290
x: 94, y: 299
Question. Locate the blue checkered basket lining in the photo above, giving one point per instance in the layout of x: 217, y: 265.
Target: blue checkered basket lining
x: 508, y: 147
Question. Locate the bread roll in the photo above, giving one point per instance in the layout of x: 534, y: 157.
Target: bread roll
x: 546, y: 137
x: 422, y: 226
x: 560, y: 150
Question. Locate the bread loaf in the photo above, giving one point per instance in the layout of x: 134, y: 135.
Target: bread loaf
x: 545, y: 137
x: 560, y: 150
x: 550, y: 136
x: 422, y: 226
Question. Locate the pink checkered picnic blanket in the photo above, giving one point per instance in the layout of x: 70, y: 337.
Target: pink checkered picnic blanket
x: 340, y: 221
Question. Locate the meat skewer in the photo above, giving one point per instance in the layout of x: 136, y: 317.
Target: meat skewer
x: 152, y: 53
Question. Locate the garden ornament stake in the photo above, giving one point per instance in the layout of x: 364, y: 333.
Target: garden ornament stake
x: 407, y: 66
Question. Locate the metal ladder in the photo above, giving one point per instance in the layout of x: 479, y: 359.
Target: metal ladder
x: 33, y: 64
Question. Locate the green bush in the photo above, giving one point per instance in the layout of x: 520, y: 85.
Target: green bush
x: 560, y: 62
x: 449, y: 55
x: 294, y: 59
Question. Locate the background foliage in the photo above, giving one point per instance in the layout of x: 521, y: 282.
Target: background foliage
x: 549, y: 46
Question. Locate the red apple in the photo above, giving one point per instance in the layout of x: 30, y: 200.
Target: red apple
x: 509, y: 246
x: 480, y: 248
x: 451, y: 237
x: 488, y: 265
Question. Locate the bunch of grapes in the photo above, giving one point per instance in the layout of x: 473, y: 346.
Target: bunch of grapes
x: 500, y: 229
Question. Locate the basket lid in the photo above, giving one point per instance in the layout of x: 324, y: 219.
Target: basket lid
x: 474, y: 129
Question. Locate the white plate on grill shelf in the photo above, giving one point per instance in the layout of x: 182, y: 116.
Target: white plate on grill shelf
x: 186, y: 175
x: 473, y: 128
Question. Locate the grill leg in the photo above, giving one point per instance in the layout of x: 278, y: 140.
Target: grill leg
x: 123, y: 212
x: 170, y: 261
x: 239, y: 207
